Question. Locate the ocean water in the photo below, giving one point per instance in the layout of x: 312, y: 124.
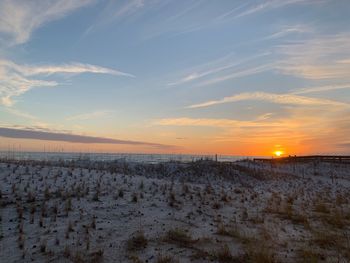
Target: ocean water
x: 128, y: 157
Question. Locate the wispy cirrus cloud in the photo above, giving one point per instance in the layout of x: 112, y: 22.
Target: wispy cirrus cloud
x: 230, y: 67
x: 175, y: 18
x: 312, y: 56
x: 321, y: 88
x: 218, y: 66
x: 316, y: 58
x: 70, y: 68
x: 251, y: 8
x: 19, y: 113
x: 185, y: 121
x: 238, y: 10
x: 20, y: 18
x: 13, y: 85
x: 264, y: 6
x: 16, y: 79
x: 175, y: 22
x: 90, y: 115
x: 116, y: 10
x: 288, y: 99
x: 344, y: 61
x: 289, y: 30
x: 248, y: 71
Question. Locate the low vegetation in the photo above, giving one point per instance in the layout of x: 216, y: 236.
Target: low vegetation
x: 202, y: 211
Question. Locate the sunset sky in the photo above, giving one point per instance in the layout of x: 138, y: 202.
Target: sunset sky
x: 226, y: 77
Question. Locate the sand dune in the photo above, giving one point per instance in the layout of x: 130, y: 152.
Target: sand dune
x: 174, y: 212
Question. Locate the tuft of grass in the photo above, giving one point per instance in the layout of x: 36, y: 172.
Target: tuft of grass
x: 321, y: 207
x: 66, y: 252
x: 43, y: 246
x: 93, y: 223
x: 142, y: 185
x: 225, y: 198
x: 258, y: 252
x: 224, y: 255
x: 234, y: 232
x: 327, y: 239
x: 70, y: 227
x: 216, y: 205
x: 41, y: 221
x: 179, y: 236
x: 341, y: 200
x: 172, y: 199
x: 121, y: 193
x: 78, y: 257
x: 301, y: 219
x: 335, y: 218
x: 185, y: 189
x: 47, y: 193
x: 135, y: 259
x: 308, y: 256
x: 225, y: 231
x: 68, y: 205
x: 134, y: 198
x: 30, y: 197
x: 96, y: 196
x: 164, y: 259
x: 208, y: 189
x: 96, y: 256
x: 20, y: 241
x: 137, y: 242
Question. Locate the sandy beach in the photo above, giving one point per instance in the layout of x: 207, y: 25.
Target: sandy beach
x: 200, y: 211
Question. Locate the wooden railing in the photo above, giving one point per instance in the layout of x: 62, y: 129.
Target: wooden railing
x: 308, y: 158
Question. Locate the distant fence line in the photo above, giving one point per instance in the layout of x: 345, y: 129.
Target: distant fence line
x: 309, y: 158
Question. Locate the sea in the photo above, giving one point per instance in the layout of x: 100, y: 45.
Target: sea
x: 127, y: 157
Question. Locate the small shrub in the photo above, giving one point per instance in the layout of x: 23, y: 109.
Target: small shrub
x: 95, y: 196
x: 179, y: 236
x: 326, y: 239
x: 321, y: 208
x: 216, y: 205
x: 308, y: 256
x: 134, y: 198
x: 20, y: 241
x: 93, y: 223
x: 137, y: 242
x: 224, y: 255
x: 67, y: 252
x: 43, y: 246
x: 47, y: 194
x: 68, y: 205
x: 258, y: 252
x: 96, y: 256
x: 164, y: 259
x: 30, y: 197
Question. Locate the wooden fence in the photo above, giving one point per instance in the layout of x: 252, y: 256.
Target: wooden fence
x: 309, y: 158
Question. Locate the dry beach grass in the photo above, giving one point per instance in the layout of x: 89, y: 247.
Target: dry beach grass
x: 174, y: 212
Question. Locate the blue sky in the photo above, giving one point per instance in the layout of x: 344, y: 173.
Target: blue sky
x: 230, y: 77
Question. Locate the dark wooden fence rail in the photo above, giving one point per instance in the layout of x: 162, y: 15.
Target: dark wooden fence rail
x: 309, y: 158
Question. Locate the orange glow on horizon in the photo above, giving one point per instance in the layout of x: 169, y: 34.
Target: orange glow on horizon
x: 258, y: 148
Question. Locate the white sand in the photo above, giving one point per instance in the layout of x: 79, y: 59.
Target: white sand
x: 258, y: 212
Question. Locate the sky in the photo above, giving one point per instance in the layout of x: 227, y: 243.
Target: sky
x: 160, y: 76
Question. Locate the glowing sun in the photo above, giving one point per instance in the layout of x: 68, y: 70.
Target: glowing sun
x: 277, y: 153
